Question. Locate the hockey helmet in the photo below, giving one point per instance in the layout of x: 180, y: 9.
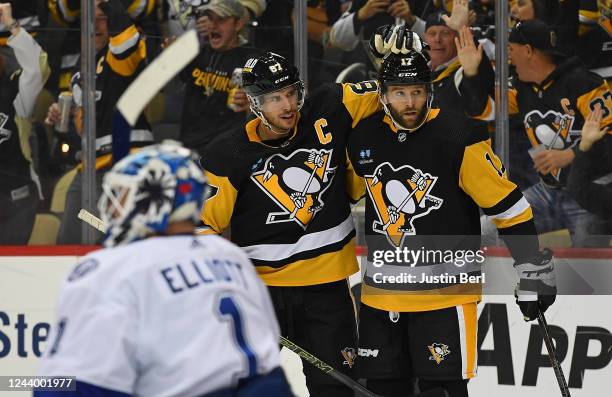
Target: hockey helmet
x: 404, y: 69
x: 147, y: 190
x: 266, y: 74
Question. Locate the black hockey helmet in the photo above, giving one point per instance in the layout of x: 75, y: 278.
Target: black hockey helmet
x: 411, y: 68
x: 404, y: 69
x: 267, y: 73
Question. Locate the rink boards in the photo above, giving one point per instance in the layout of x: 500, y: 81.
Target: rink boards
x: 511, y: 357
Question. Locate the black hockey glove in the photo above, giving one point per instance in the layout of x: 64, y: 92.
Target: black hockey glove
x: 396, y: 39
x: 537, y: 287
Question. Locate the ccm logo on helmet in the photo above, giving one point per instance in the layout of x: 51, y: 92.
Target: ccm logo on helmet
x: 411, y: 74
x: 281, y: 79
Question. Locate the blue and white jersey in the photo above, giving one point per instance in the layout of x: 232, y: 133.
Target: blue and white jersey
x: 166, y: 316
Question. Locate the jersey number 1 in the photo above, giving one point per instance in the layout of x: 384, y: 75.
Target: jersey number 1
x: 229, y: 310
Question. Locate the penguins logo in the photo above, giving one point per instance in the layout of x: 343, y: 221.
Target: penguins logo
x: 438, y: 351
x: 295, y: 183
x: 348, y: 353
x: 551, y: 129
x: 400, y: 196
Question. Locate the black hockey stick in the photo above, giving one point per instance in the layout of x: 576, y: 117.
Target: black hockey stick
x: 340, y: 377
x: 96, y: 222
x: 553, y: 356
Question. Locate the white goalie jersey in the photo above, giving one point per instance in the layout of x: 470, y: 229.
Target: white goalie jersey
x: 166, y: 316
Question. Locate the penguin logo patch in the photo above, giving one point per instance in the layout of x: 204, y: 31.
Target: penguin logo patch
x: 551, y: 129
x: 349, y: 354
x: 295, y: 183
x: 438, y: 351
x: 400, y: 196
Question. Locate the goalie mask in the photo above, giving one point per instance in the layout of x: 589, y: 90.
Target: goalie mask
x: 146, y: 191
x: 410, y: 69
x: 265, y: 75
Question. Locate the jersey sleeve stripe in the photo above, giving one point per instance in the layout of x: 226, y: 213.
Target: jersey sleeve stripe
x: 488, y: 114
x: 136, y: 8
x: 124, y: 40
x: 506, y: 204
x: 127, y: 67
x: 512, y: 101
x: 524, y: 216
x: 518, y: 208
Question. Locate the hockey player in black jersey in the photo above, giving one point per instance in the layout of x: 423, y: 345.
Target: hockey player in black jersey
x: 426, y: 174
x: 281, y: 189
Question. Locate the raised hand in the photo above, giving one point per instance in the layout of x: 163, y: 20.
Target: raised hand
x: 591, y: 129
x: 469, y: 55
x: 459, y: 16
x: 371, y: 8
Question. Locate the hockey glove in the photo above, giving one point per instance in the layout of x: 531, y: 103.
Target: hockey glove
x: 537, y: 287
x: 396, y: 39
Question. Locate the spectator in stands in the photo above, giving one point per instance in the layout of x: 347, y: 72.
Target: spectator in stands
x: 213, y: 101
x: 29, y: 14
x: 593, y: 195
x: 181, y: 13
x: 19, y: 193
x: 595, y: 36
x: 462, y: 74
x: 363, y: 18
x: 68, y: 15
x: 120, y: 56
x: 524, y: 10
x: 562, y: 16
x: 553, y: 95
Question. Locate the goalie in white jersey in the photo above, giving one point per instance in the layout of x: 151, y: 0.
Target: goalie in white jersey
x: 162, y: 312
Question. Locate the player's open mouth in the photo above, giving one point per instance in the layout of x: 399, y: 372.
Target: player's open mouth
x: 215, y: 36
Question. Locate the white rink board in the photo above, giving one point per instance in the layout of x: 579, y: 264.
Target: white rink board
x: 29, y: 286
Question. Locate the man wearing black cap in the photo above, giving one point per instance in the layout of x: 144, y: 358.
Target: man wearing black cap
x: 553, y: 95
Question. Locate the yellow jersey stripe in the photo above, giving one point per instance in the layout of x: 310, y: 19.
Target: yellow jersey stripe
x: 410, y: 301
x: 127, y: 67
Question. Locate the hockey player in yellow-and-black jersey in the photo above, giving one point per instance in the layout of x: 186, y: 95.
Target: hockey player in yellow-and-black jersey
x: 427, y: 173
x: 280, y: 186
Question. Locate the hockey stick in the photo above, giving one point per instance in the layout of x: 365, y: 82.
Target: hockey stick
x: 92, y: 220
x: 552, y: 355
x: 148, y: 83
x: 96, y: 222
x: 340, y: 377
x: 329, y: 370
